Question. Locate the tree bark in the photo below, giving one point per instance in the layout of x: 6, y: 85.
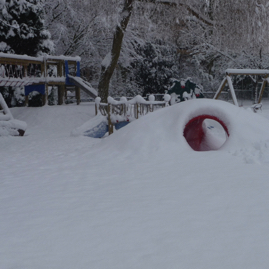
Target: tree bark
x: 109, y: 63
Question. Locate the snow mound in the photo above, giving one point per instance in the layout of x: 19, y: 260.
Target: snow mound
x: 140, y: 198
x: 163, y: 129
x: 12, y: 127
x: 90, y: 126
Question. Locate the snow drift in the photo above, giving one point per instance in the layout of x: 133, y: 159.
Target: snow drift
x: 164, y: 129
x: 140, y: 198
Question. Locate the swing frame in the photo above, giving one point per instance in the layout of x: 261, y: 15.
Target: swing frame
x: 231, y: 72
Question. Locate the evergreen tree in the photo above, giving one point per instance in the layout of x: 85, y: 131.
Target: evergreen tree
x: 157, y: 65
x: 22, y: 29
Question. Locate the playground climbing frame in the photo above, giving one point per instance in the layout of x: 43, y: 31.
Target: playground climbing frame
x: 27, y: 71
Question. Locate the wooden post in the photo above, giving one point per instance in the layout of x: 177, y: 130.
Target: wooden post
x: 45, y: 96
x: 262, y: 90
x: 44, y: 69
x: 110, y: 125
x: 228, y: 78
x: 77, y: 94
x: 136, y: 110
x: 44, y: 100
x: 96, y: 109
x: 124, y: 109
x: 26, y: 100
x: 25, y: 70
x: 61, y: 90
x: 59, y: 69
x: 221, y: 87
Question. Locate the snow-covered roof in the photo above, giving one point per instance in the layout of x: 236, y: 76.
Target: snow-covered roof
x: 18, y: 82
x: 20, y: 57
x: 64, y: 58
x: 40, y: 58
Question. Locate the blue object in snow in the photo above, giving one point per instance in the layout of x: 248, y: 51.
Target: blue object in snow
x: 98, y: 131
x: 38, y: 88
x: 78, y: 69
x: 121, y: 124
x: 67, y: 80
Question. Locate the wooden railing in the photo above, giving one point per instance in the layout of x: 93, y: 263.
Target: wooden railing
x: 128, y: 110
x: 21, y: 70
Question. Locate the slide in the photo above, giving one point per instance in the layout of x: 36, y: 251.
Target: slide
x: 96, y: 127
x: 83, y: 85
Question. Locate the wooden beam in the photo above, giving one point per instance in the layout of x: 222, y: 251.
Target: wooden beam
x: 221, y: 87
x: 77, y: 94
x: 46, y: 95
x: 261, y: 72
x: 61, y: 90
x: 26, y: 100
x: 51, y: 82
x: 13, y: 61
x: 232, y: 90
x: 262, y: 90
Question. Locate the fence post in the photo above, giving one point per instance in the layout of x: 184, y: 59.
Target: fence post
x: 97, y: 105
x: 110, y: 125
x: 136, y: 110
x: 96, y: 109
x: 167, y: 99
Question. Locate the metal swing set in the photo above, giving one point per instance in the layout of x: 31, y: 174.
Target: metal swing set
x: 251, y: 72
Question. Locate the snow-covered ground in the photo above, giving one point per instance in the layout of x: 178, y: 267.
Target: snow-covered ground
x: 140, y: 198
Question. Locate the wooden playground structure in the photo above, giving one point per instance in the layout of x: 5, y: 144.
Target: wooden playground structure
x: 38, y: 74
x: 34, y: 74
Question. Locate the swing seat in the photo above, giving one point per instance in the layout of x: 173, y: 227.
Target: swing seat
x: 256, y: 107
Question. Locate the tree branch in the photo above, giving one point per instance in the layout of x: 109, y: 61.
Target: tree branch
x: 110, y: 61
x: 192, y: 10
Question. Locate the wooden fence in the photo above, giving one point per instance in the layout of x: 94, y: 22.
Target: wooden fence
x: 128, y: 110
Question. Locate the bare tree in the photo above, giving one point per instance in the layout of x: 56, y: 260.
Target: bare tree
x: 209, y: 35
x: 110, y: 61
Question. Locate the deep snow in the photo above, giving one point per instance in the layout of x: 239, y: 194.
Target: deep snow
x: 140, y: 198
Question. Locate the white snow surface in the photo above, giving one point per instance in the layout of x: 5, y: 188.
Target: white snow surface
x: 140, y: 198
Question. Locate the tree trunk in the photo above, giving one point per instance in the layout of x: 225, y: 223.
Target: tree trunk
x: 110, y: 61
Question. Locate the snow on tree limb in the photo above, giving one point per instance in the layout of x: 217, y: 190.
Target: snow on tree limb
x: 110, y: 62
x: 191, y: 9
